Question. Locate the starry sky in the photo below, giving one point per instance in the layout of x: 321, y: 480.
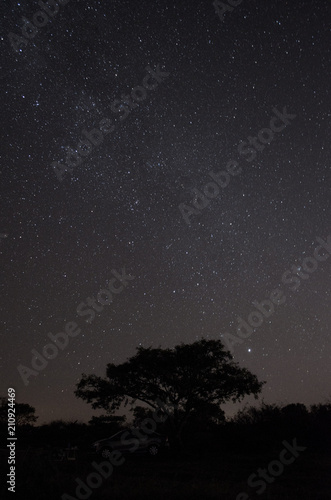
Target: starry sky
x: 60, y: 240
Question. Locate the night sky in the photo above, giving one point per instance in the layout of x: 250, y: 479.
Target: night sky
x: 122, y: 206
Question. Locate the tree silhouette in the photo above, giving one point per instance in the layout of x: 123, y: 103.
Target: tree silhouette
x: 189, y: 379
x: 24, y: 413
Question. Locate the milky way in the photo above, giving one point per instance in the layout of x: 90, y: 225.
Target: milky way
x: 69, y: 222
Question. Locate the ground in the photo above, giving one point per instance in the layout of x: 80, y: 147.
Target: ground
x: 193, y: 476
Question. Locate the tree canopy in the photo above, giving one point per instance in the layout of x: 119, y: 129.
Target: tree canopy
x: 189, y: 379
x: 24, y: 413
